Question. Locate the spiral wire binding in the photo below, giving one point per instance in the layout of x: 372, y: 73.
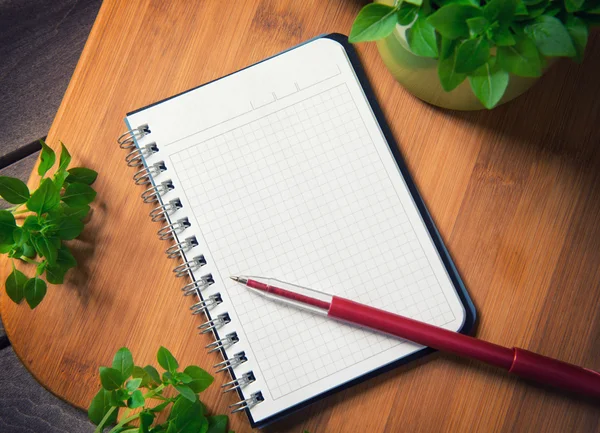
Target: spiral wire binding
x: 198, y: 285
x: 126, y: 140
x: 183, y: 269
x: 152, y: 193
x: 142, y: 176
x: 245, y: 379
x: 229, y: 340
x: 159, y: 213
x: 254, y: 399
x: 202, y: 306
x: 237, y: 359
x: 179, y: 248
x: 162, y: 213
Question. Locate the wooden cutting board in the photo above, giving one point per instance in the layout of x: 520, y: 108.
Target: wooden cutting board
x: 515, y: 193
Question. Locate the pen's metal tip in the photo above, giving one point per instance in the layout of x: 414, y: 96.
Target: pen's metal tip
x: 241, y: 280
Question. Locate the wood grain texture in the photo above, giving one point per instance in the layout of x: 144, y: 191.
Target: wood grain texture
x: 514, y: 193
x: 40, y: 43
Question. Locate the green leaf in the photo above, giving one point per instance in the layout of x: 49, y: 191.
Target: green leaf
x: 133, y: 384
x: 65, y: 211
x: 81, y: 175
x: 422, y: 39
x: 35, y: 290
x: 502, y: 37
x: 489, y: 83
x: 460, y: 2
x: 79, y: 212
x: 15, y: 252
x: 123, y: 362
x: 111, y: 378
x: 374, y: 21
x: 28, y: 251
x: 574, y: 5
x: 65, y: 158
x: 594, y: 8
x: 15, y: 285
x: 500, y: 10
x: 471, y: 54
x: 187, y: 416
x: 64, y: 261
x: 477, y: 26
x: 201, y: 379
x: 47, y: 159
x: 100, y: 406
x: 521, y: 10
x: 45, y: 247
x: 32, y: 223
x: 41, y: 267
x: 69, y: 228
x: 407, y: 13
x: 78, y: 194
x: 217, y: 424
x: 136, y: 400
x: 7, y: 229
x: 521, y: 59
x: 414, y: 2
x: 183, y: 378
x: 578, y: 31
x: 166, y: 360
x: 20, y: 236
x: 55, y: 274
x: 153, y: 373
x: 451, y: 20
x: 535, y: 10
x: 13, y: 190
x: 449, y: 78
x: 186, y: 391
x: 146, y: 420
x: 551, y: 37
x: 140, y: 373
x: 118, y: 397
x: 44, y: 198
x: 167, y: 377
x: 64, y: 161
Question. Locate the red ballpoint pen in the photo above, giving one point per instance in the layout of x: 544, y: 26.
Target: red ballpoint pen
x: 521, y: 362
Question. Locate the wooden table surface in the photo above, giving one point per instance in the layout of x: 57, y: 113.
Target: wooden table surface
x: 515, y: 193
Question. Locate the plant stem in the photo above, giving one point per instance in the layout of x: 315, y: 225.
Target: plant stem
x: 106, y: 416
x: 126, y: 419
x: 155, y: 391
x: 28, y: 260
x: 123, y: 422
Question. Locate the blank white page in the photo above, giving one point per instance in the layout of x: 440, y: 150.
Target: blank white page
x: 284, y: 172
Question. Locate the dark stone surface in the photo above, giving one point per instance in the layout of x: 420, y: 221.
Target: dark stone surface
x: 40, y: 43
x: 21, y: 170
x: 26, y: 407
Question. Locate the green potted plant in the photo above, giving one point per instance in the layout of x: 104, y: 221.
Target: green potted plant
x: 471, y: 54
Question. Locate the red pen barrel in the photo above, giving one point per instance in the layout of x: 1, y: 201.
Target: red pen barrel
x: 518, y: 361
x: 557, y: 373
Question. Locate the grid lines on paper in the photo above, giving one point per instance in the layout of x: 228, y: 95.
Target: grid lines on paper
x: 301, y: 194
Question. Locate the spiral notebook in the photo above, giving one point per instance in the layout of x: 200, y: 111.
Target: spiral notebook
x: 287, y: 169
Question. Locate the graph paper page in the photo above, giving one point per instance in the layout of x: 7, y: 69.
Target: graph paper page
x: 284, y: 173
